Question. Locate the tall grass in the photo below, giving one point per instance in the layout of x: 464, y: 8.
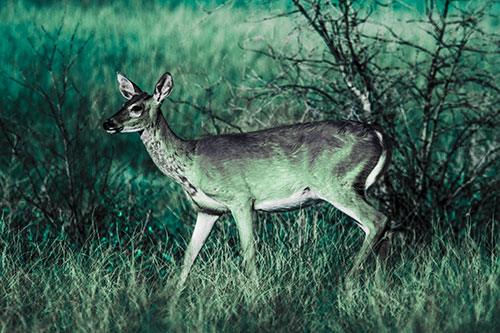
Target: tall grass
x: 444, y: 287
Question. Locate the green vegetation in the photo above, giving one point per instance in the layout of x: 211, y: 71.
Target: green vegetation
x: 97, y: 245
x: 445, y: 287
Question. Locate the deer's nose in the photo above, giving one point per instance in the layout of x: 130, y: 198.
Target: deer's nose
x: 111, y: 127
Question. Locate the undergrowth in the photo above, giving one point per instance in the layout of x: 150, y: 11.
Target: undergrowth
x: 446, y: 286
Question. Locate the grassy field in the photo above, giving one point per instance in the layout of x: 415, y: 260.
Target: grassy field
x: 445, y: 287
x: 122, y: 278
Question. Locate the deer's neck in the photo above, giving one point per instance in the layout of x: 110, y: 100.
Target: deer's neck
x: 172, y: 155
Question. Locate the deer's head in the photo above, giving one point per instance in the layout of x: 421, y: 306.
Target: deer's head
x: 141, y: 109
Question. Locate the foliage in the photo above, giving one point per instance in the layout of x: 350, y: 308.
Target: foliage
x: 64, y: 191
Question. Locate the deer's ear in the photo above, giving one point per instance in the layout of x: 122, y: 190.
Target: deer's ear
x: 163, y: 88
x: 127, y: 87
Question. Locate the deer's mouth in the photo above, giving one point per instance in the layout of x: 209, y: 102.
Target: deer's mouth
x: 111, y: 127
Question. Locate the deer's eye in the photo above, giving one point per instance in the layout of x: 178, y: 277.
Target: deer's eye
x: 135, y: 111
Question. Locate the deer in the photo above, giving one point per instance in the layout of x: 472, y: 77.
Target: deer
x: 273, y: 170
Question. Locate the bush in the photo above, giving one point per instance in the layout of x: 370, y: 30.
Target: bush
x: 428, y: 78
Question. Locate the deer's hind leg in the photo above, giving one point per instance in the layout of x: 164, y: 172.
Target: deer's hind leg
x: 370, y: 220
x: 244, y: 216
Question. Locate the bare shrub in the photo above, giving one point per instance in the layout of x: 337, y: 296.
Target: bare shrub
x: 434, y: 90
x: 55, y: 167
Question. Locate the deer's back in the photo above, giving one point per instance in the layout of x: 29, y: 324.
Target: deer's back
x: 282, y: 159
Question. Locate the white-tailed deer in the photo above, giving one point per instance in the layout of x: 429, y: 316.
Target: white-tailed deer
x: 276, y: 169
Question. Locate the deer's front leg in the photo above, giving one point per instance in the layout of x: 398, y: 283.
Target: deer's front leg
x: 204, y: 224
x: 243, y: 215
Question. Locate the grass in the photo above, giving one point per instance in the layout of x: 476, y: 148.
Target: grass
x: 445, y: 287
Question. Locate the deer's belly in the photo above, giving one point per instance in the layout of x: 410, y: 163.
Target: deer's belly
x: 297, y: 200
